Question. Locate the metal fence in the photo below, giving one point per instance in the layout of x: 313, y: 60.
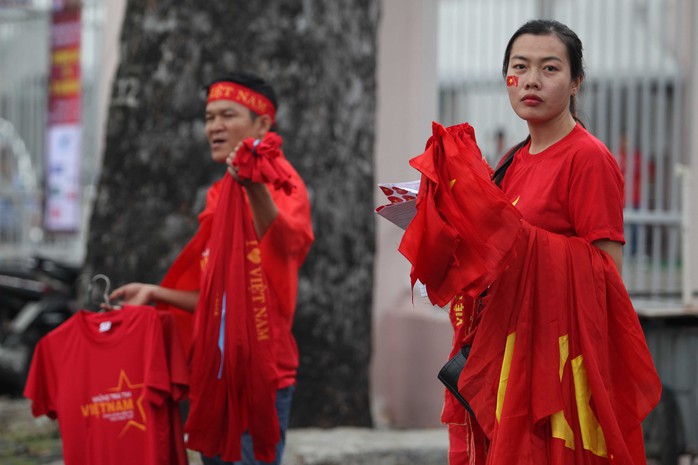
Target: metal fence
x: 633, y: 100
x: 24, y: 60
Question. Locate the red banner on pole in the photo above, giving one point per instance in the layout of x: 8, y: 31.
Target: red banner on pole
x: 64, y: 131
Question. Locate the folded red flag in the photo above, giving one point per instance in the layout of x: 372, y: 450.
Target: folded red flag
x: 234, y: 378
x: 559, y: 371
x: 438, y: 240
x: 256, y: 160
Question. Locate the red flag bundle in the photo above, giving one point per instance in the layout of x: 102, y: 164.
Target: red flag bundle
x: 233, y: 382
x: 559, y: 371
x: 257, y: 160
x: 450, y: 218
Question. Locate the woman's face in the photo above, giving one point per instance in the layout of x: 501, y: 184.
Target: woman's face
x: 227, y: 124
x: 545, y: 84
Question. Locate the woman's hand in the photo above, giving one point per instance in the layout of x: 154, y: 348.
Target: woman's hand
x: 134, y: 294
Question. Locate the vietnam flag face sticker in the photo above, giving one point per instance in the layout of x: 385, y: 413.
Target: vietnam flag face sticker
x: 512, y: 81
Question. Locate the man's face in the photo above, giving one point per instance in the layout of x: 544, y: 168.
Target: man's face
x: 227, y: 124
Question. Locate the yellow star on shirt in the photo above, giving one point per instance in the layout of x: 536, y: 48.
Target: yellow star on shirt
x: 124, y: 381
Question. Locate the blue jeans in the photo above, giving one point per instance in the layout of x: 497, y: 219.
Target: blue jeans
x: 283, y: 410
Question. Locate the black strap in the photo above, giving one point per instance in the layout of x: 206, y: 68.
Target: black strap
x: 501, y: 170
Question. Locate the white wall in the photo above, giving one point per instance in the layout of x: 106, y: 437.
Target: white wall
x: 411, y: 341
x: 690, y: 60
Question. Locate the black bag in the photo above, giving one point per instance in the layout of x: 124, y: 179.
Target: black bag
x: 450, y: 373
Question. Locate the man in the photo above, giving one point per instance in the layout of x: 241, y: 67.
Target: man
x: 241, y: 106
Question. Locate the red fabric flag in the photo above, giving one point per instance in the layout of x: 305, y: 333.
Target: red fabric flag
x: 258, y: 159
x: 234, y: 377
x: 559, y: 371
x: 438, y: 241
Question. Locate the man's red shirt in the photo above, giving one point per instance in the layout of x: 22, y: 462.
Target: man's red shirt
x: 284, y: 248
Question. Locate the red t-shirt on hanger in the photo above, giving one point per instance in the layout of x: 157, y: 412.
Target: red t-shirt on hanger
x: 106, y: 378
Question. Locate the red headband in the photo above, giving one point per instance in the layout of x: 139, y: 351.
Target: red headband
x: 242, y: 95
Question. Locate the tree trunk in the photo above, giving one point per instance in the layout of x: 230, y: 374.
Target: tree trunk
x: 321, y: 58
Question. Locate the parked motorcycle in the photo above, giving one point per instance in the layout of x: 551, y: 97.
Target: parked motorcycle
x: 36, y: 295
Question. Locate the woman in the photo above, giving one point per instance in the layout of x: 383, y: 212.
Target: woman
x: 561, y: 179
x: 544, y: 59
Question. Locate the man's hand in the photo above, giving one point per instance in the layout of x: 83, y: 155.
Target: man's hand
x: 233, y: 170
x: 263, y: 208
x: 134, y: 294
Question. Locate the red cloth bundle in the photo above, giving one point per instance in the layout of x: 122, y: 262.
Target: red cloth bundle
x: 438, y: 241
x: 256, y: 160
x: 234, y: 378
x: 559, y: 371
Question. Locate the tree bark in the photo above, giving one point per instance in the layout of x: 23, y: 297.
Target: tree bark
x: 321, y: 59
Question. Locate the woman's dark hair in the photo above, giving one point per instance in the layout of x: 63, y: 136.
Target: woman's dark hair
x: 540, y: 27
x: 252, y: 82
x: 566, y: 35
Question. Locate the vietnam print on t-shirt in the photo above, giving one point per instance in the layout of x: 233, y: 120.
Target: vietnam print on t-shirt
x: 122, y: 403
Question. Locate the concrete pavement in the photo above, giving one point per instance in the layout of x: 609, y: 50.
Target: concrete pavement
x: 25, y: 440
